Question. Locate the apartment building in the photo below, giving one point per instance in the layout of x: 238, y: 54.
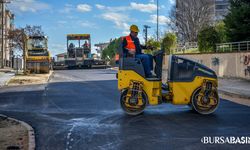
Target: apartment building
x: 6, y: 24
x: 221, y: 9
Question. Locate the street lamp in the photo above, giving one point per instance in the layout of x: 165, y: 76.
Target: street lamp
x: 145, y: 30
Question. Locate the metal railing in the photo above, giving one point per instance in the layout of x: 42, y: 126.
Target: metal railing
x: 233, y: 47
x: 185, y: 46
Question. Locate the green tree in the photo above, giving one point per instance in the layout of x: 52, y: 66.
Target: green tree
x: 109, y: 52
x: 237, y: 22
x: 169, y: 43
x: 154, y: 44
x: 207, y: 39
x: 221, y: 30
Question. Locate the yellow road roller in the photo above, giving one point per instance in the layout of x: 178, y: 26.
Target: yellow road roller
x: 188, y: 83
x: 37, y: 54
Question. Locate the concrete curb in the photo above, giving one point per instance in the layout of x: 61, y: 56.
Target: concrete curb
x: 6, y: 71
x: 234, y: 78
x: 51, y: 74
x: 114, y: 68
x: 234, y: 95
x: 7, y: 82
x: 31, y: 133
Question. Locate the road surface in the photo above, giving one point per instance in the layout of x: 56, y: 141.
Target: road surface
x: 79, y: 110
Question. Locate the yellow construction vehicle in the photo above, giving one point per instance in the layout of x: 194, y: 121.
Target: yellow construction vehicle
x: 78, y: 51
x: 38, y: 58
x: 188, y: 83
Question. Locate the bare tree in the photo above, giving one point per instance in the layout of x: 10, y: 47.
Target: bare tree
x: 190, y: 16
x: 33, y: 30
x: 18, y: 36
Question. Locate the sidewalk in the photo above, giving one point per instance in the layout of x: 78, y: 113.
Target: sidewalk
x: 237, y: 90
x: 29, y: 79
x: 15, y: 134
x: 5, y: 76
x: 235, y: 86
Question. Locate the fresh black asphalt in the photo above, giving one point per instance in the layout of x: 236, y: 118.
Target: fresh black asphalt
x: 79, y: 110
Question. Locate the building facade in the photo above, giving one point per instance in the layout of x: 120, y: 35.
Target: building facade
x: 6, y: 24
x: 101, y: 47
x: 61, y: 57
x: 221, y: 9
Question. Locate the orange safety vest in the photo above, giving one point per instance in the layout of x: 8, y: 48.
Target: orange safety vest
x: 130, y: 46
x: 117, y: 57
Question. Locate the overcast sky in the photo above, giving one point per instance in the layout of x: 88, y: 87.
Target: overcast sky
x: 103, y: 19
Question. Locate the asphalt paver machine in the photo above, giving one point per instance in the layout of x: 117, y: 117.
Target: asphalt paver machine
x: 188, y: 83
x: 78, y: 51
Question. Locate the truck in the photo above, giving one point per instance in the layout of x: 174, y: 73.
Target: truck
x: 38, y: 59
x: 78, y: 51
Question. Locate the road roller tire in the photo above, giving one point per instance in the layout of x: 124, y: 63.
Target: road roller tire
x: 131, y: 110
x: 205, y: 109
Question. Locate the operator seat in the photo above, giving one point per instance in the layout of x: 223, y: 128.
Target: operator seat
x: 136, y: 65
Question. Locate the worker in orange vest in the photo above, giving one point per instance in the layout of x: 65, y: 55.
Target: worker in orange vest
x: 132, y: 48
x: 117, y: 57
x: 85, y: 45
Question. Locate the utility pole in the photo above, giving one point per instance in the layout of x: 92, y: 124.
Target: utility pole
x: 24, y: 38
x: 145, y: 30
x: 2, y: 35
x: 157, y: 30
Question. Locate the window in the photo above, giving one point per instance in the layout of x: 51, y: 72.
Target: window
x: 183, y: 69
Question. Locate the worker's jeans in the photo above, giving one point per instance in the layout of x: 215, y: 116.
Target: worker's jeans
x: 147, y: 61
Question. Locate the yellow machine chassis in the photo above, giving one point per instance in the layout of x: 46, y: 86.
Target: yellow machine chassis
x: 151, y: 88
x: 180, y: 93
x: 38, y: 66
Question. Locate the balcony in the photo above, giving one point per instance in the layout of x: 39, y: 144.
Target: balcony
x: 221, y: 2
